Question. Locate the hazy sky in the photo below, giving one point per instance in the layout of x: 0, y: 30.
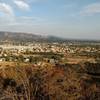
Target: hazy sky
x: 65, y: 18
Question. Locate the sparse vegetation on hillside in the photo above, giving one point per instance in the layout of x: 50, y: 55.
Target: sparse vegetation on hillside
x: 47, y: 83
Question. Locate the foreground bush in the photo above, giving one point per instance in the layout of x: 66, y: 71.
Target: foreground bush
x: 46, y: 83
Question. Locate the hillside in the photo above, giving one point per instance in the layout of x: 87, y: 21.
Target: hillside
x: 30, y: 37
x: 26, y: 37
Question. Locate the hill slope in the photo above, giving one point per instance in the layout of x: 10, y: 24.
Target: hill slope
x: 13, y: 36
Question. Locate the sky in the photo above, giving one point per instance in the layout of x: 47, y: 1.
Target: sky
x: 76, y: 19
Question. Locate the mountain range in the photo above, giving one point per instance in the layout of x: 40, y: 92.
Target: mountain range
x: 29, y: 37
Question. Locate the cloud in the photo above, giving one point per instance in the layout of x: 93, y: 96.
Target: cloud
x: 20, y: 21
x: 91, y: 9
x: 6, y: 9
x: 72, y: 5
x: 22, y: 4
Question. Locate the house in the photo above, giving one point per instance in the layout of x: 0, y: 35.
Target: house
x: 26, y: 60
x: 2, y: 59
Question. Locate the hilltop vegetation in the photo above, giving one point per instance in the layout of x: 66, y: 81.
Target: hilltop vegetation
x: 59, y: 82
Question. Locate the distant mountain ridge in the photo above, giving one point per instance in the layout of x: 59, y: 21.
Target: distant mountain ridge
x: 27, y: 37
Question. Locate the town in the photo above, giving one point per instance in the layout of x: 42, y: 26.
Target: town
x: 9, y: 52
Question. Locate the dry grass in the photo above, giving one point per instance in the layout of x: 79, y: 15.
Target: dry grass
x: 45, y: 83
